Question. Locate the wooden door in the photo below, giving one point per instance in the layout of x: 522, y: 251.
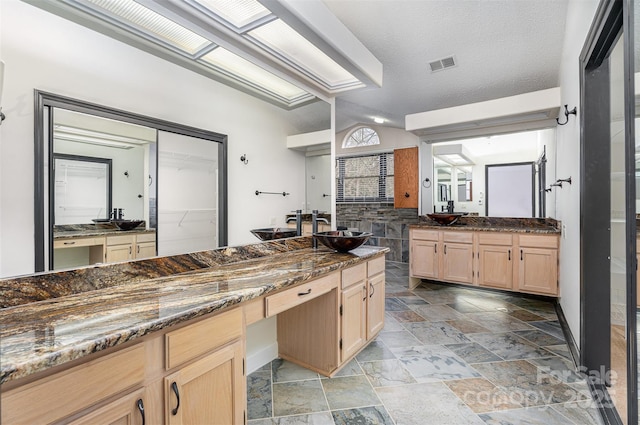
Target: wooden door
x: 353, y: 329
x: 117, y: 253
x: 458, y: 262
x: 405, y: 178
x: 538, y: 270
x: 496, y: 266
x: 145, y: 250
x: 375, y: 305
x: 208, y: 391
x: 127, y: 410
x: 423, y: 259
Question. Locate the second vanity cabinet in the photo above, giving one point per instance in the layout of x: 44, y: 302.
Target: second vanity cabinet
x: 130, y: 247
x: 443, y: 255
x: 520, y: 262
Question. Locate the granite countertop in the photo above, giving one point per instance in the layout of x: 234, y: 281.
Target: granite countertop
x: 494, y: 224
x: 35, y: 336
x: 90, y: 230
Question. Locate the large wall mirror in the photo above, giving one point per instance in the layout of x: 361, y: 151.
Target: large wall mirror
x: 318, y: 183
x: 99, y: 171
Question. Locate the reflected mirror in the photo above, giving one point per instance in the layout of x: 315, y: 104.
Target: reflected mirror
x: 96, y: 182
x: 318, y: 182
x: 463, y: 183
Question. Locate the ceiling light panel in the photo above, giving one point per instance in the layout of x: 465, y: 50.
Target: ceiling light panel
x: 149, y: 22
x: 234, y: 65
x: 238, y: 13
x: 281, y: 40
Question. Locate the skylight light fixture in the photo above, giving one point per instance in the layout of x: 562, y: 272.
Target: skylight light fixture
x: 452, y: 154
x: 140, y: 18
x: 238, y: 13
x: 281, y: 40
x: 235, y: 66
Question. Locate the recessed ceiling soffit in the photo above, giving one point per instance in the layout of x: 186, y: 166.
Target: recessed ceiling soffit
x: 273, y: 49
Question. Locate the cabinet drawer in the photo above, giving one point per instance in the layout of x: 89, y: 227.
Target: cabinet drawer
x: 119, y: 240
x: 490, y: 238
x: 539, y: 241
x: 70, y: 391
x: 297, y: 295
x: 76, y: 242
x: 460, y: 237
x: 253, y: 311
x: 425, y: 235
x: 375, y: 266
x: 353, y: 275
x: 194, y: 340
x: 146, y: 237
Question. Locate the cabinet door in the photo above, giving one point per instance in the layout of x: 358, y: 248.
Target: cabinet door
x: 458, y: 262
x: 145, y: 250
x: 424, y: 259
x: 375, y: 305
x: 496, y: 266
x: 208, y: 391
x: 117, y: 253
x: 538, y: 270
x: 353, y: 319
x: 127, y: 410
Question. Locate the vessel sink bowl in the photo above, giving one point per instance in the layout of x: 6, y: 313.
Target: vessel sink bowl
x: 342, y: 240
x: 270, y: 233
x: 445, y: 219
x: 127, y: 224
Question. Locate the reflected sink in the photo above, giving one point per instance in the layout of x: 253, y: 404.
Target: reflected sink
x: 342, y: 240
x: 127, y: 224
x: 270, y: 233
x: 445, y: 219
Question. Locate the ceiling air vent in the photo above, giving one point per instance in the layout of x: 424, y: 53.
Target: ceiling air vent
x: 443, y: 63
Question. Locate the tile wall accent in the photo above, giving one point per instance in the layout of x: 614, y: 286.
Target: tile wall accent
x: 390, y: 226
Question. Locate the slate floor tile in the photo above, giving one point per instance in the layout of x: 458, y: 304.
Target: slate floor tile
x: 433, y: 363
x: 373, y: 415
x: 349, y: 392
x: 298, y: 397
x: 473, y: 353
x: 436, y: 333
x: 509, y: 346
x: 528, y: 416
x: 384, y: 373
x: 481, y: 395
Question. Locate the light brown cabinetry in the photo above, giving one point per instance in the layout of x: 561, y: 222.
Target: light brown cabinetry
x: 376, y: 297
x: 511, y: 261
x: 129, y: 247
x: 441, y: 255
x: 353, y: 310
x: 495, y: 258
x: 423, y: 254
x: 202, y: 360
x: 538, y: 265
x: 457, y: 257
x: 406, y: 177
x: 325, y: 332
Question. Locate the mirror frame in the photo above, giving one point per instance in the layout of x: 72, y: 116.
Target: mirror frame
x: 43, y: 149
x: 107, y: 161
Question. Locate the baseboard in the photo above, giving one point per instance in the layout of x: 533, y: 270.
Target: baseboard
x: 261, y: 357
x: 568, y: 336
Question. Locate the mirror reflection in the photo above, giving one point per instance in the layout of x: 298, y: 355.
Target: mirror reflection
x: 318, y: 182
x: 101, y: 178
x: 460, y: 168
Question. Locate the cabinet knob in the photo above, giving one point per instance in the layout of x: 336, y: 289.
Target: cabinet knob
x: 406, y: 194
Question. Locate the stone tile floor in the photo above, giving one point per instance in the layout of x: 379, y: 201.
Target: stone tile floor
x: 447, y: 355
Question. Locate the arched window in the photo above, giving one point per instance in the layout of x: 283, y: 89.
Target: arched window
x: 362, y: 136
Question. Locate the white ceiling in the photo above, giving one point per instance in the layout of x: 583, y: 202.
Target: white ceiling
x: 502, y: 47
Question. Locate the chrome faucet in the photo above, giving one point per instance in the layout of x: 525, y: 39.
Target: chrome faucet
x: 299, y: 222
x: 314, y: 228
x: 450, y: 207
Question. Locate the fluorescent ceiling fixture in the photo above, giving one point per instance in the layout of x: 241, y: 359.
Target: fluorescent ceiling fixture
x: 80, y: 135
x: 378, y: 120
x: 239, y: 13
x: 452, y: 154
x: 158, y: 26
x: 437, y: 162
x: 233, y: 64
x: 283, y: 41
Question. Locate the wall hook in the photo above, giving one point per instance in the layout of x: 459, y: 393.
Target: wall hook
x: 126, y: 173
x: 426, y: 183
x: 244, y: 159
x: 567, y: 112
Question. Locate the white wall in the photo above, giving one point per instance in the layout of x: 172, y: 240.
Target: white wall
x: 579, y: 17
x: 43, y: 51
